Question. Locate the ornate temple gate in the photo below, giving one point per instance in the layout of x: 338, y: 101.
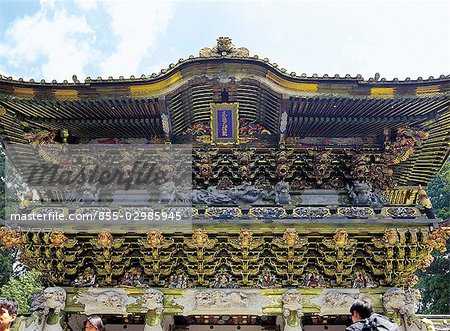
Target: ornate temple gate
x: 306, y: 196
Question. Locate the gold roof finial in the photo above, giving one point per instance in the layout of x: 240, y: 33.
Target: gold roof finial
x: 224, y: 47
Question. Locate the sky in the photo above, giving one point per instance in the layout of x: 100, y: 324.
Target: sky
x: 51, y: 39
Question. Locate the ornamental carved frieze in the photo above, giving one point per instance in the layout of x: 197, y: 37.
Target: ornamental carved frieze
x: 355, y: 212
x: 402, y: 212
x: 334, y: 301
x: 221, y: 299
x: 311, y: 212
x: 223, y: 212
x: 267, y: 212
x: 104, y: 301
x: 214, y: 301
x: 248, y: 258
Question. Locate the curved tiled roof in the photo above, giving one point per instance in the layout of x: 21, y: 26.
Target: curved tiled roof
x: 316, y: 106
x: 205, y: 63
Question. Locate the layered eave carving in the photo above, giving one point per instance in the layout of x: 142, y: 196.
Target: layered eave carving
x: 233, y: 259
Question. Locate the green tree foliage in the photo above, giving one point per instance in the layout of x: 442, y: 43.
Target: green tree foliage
x: 21, y: 288
x: 2, y: 185
x: 434, y: 283
x: 6, y: 266
x: 439, y: 192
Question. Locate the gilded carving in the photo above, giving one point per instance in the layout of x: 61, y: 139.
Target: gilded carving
x: 10, y: 238
x: 438, y: 238
x: 339, y: 261
x: 403, y: 147
x: 247, y: 261
x: 224, y: 47
x: 291, y: 257
x: 202, y: 260
x: 110, y: 255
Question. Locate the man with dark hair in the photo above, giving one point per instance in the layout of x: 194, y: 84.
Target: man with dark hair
x: 361, y: 309
x: 8, y: 313
x: 364, y: 319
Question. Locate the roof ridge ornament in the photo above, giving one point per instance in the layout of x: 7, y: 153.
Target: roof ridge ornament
x: 224, y: 47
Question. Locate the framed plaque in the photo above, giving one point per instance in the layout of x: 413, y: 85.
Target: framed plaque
x: 224, y: 123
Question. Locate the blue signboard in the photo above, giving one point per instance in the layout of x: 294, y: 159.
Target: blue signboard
x: 224, y: 123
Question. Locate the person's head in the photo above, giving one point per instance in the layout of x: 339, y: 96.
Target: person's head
x: 361, y: 309
x: 94, y: 323
x: 8, y: 312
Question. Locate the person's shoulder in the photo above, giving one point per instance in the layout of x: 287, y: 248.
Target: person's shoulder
x: 383, y: 322
x: 376, y: 316
x: 358, y: 326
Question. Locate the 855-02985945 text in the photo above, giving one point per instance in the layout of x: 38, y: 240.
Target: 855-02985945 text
x: 98, y: 215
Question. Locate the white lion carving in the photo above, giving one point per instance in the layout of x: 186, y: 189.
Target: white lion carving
x: 54, y: 298
x: 153, y: 300
x: 292, y: 302
x: 394, y: 300
x: 413, y: 298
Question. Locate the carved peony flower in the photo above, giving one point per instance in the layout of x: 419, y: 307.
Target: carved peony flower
x: 105, y: 239
x: 245, y: 237
x: 155, y: 238
x: 57, y: 239
x: 10, y: 238
x: 200, y: 237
